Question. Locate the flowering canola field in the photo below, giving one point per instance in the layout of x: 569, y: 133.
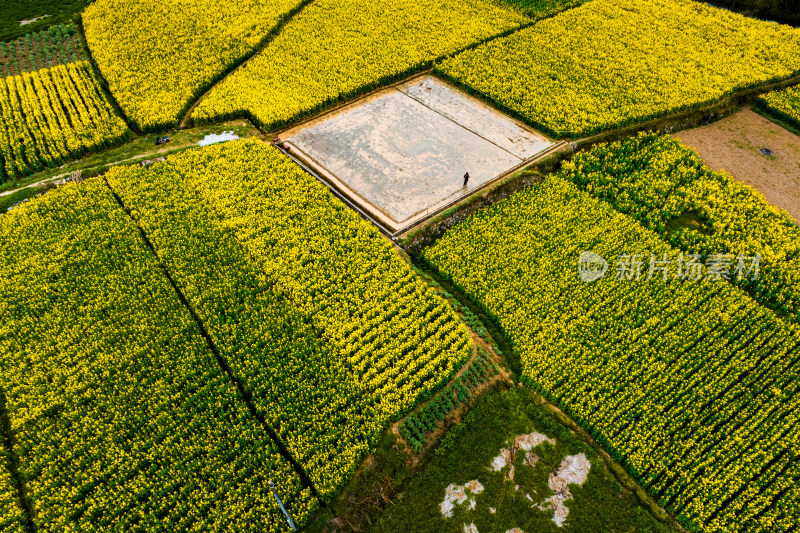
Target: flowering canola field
x: 158, y: 56
x: 52, y: 115
x: 312, y: 309
x: 12, y: 516
x: 335, y: 49
x: 690, y: 384
x: 784, y: 104
x: 657, y: 181
x: 123, y: 419
x: 610, y: 63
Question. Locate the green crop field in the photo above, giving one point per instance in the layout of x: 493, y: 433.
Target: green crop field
x: 57, y: 45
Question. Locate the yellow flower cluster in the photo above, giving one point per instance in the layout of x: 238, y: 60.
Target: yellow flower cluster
x: 784, y: 104
x: 313, y: 310
x: 123, y: 419
x: 158, y: 56
x: 610, y: 63
x: 52, y: 115
x: 12, y: 515
x: 690, y: 384
x: 667, y: 187
x: 335, y: 49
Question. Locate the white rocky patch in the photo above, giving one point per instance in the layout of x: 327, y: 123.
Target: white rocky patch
x: 573, y: 470
x: 531, y: 440
x: 457, y: 495
x: 500, y: 462
x: 521, y: 442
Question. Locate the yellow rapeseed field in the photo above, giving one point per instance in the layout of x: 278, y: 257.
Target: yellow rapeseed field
x: 784, y: 104
x: 335, y: 49
x: 122, y: 418
x: 52, y: 115
x: 610, y: 63
x: 12, y: 515
x: 689, y: 384
x: 658, y: 181
x: 311, y: 307
x: 158, y: 56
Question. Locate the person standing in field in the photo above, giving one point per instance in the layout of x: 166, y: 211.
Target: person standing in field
x: 466, y: 179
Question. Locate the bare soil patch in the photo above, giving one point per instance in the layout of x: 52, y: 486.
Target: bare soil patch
x: 734, y: 144
x: 402, y: 153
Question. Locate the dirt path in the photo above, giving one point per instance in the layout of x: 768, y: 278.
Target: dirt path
x: 58, y: 176
x: 733, y: 144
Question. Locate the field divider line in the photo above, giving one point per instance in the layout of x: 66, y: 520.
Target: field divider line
x: 105, y: 88
x: 246, y: 396
x: 13, y: 464
x: 185, y: 118
x: 454, y: 121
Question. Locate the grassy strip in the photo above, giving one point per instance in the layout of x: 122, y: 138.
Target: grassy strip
x: 466, y: 453
x: 138, y: 149
x: 13, y: 12
x: 10, y: 200
x: 781, y: 117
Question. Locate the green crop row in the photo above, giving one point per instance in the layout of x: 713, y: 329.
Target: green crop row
x: 690, y: 384
x: 55, y: 46
x: 417, y: 425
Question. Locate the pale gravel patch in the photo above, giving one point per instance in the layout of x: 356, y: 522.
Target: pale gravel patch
x: 31, y: 21
x: 574, y: 470
x: 457, y: 495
